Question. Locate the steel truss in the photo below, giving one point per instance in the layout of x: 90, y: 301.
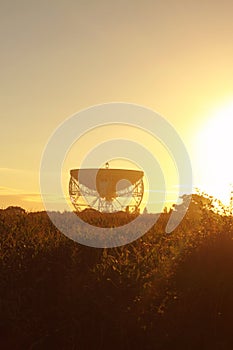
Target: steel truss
x: 128, y: 199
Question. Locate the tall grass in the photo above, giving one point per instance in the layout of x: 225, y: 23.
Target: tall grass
x: 163, y: 291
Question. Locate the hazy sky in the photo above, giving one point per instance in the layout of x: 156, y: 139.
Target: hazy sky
x: 58, y: 57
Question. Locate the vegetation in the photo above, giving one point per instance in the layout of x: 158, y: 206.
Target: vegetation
x: 163, y: 291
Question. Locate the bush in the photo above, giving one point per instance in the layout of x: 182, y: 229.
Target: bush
x: 162, y: 291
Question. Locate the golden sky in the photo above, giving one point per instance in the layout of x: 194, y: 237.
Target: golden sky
x: 58, y: 57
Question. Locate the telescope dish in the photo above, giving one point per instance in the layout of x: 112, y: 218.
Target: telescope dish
x: 106, y: 190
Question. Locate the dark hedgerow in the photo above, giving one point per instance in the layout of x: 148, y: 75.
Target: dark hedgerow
x: 163, y: 291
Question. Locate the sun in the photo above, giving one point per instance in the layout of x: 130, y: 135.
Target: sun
x: 213, y: 151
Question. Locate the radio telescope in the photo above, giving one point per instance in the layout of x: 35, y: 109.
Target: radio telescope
x: 106, y: 190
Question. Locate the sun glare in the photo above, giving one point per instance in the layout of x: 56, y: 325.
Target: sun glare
x: 214, y: 146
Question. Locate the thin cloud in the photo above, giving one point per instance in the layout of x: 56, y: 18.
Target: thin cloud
x: 12, y: 170
x: 160, y: 191
x: 9, y: 190
x: 31, y: 197
x: 30, y: 201
x: 181, y: 186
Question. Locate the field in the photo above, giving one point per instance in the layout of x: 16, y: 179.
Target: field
x: 163, y: 291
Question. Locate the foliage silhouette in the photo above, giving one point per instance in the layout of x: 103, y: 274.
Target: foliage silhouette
x: 163, y: 291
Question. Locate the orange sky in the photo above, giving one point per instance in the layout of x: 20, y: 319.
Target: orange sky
x: 58, y: 57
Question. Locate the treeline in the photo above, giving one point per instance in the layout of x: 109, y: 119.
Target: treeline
x: 163, y: 291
